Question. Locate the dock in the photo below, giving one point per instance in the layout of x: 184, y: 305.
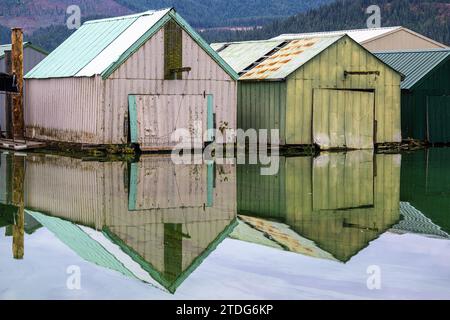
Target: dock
x: 20, y: 145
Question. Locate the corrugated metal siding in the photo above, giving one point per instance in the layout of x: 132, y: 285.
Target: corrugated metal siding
x: 31, y: 58
x: 439, y: 118
x: 262, y: 105
x: 414, y: 105
x: 68, y: 110
x: 160, y: 116
x: 327, y: 71
x: 143, y: 74
x: 47, y: 189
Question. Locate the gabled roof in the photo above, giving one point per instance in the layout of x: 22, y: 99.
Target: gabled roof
x: 272, y: 60
x: 414, y: 64
x: 359, y: 35
x: 6, y: 47
x: 99, y: 47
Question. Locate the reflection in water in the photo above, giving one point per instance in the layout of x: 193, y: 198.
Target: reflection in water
x: 157, y: 222
x: 426, y: 192
x: 331, y: 206
x: 148, y: 218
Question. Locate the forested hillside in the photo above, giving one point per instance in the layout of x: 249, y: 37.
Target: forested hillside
x: 429, y: 17
x: 220, y: 13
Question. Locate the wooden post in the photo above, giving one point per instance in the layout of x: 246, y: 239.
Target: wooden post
x: 17, y: 70
x: 18, y: 200
x: 9, y: 102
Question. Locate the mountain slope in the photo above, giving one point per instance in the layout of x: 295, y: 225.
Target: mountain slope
x: 219, y: 13
x: 35, y: 14
x: 429, y: 17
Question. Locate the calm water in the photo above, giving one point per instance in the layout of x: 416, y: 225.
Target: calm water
x: 329, y: 227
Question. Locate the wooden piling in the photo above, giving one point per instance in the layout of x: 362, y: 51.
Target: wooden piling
x: 18, y: 200
x: 9, y: 101
x: 17, y: 70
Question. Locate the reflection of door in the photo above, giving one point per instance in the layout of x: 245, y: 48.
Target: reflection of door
x: 158, y: 183
x: 343, y: 119
x: 343, y: 181
x: 155, y: 118
x: 438, y: 119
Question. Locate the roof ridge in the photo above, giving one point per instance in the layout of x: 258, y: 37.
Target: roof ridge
x: 344, y: 31
x: 275, y: 40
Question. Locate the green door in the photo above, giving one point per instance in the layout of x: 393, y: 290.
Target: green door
x: 438, y: 119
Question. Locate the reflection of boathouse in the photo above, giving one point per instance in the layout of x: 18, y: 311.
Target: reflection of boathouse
x: 339, y: 202
x: 164, y: 218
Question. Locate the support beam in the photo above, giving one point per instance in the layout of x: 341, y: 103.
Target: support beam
x: 17, y: 70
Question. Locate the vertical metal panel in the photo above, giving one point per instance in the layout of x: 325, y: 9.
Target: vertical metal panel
x: 132, y: 116
x: 327, y: 71
x: 343, y: 119
x: 68, y: 110
x: 414, y: 105
x: 143, y: 74
x: 261, y: 105
x: 165, y: 121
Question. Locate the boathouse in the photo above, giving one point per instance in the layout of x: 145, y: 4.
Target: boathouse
x: 425, y: 93
x: 32, y: 55
x: 325, y: 90
x: 377, y: 39
x: 133, y: 79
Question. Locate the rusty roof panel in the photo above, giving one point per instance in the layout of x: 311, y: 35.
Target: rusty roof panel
x: 271, y: 60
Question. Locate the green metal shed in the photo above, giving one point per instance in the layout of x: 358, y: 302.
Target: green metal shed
x: 323, y: 90
x: 425, y: 92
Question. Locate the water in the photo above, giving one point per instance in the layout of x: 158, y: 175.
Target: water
x: 337, y: 226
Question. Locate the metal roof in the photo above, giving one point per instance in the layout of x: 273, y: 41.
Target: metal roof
x: 7, y: 47
x: 415, y: 221
x: 273, y: 60
x: 241, y: 55
x: 99, y: 47
x: 414, y: 64
x: 359, y: 35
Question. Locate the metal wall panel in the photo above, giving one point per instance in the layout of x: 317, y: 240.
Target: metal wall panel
x: 31, y: 58
x: 68, y: 110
